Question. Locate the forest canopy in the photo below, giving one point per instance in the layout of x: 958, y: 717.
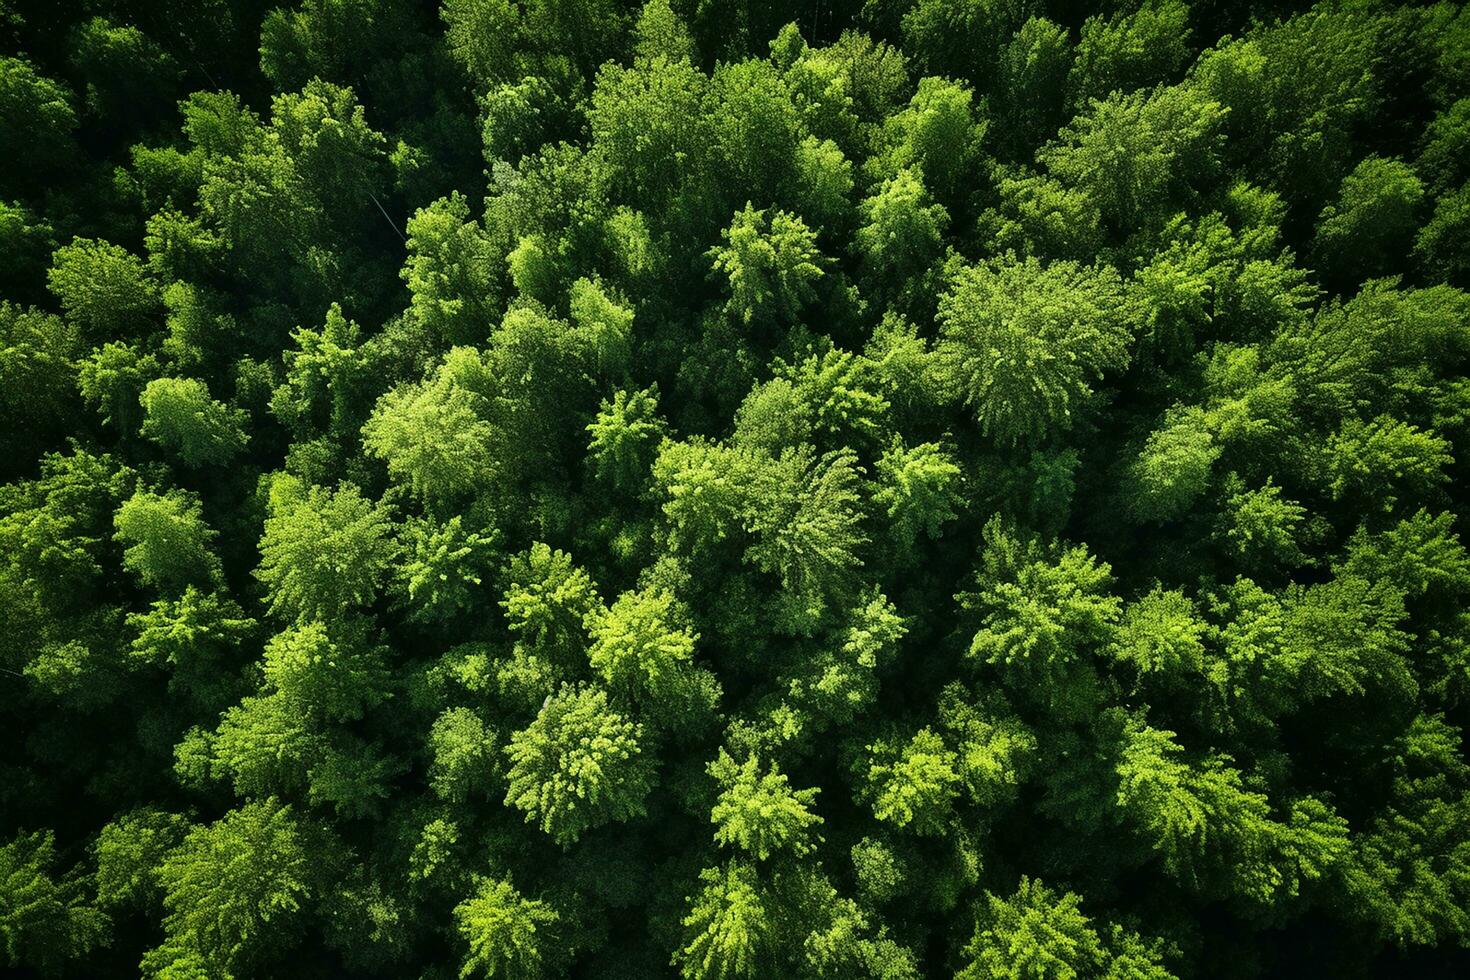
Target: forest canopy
x: 728, y: 489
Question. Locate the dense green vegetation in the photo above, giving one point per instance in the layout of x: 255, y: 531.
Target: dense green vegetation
x: 723, y: 489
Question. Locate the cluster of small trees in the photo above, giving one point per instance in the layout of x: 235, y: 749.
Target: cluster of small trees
x: 936, y: 487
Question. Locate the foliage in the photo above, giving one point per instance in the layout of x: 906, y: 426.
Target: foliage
x: 44, y: 920
x: 770, y: 264
x: 432, y: 435
x: 103, y: 289
x: 501, y: 928
x: 1038, y: 933
x: 1022, y: 343
x: 232, y: 890
x: 130, y: 853
x: 323, y: 551
x: 179, y: 415
x: 758, y: 811
x: 167, y: 539
x: 882, y: 488
x: 1373, y: 221
x: 579, y: 765
x: 727, y: 925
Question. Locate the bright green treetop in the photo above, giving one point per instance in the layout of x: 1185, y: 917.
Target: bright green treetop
x: 578, y: 766
x: 1023, y: 343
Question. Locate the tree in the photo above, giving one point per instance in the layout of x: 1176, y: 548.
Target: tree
x: 502, y: 929
x: 181, y: 250
x: 822, y: 183
x: 807, y: 517
x: 448, y: 569
x: 1336, y: 637
x: 913, y: 784
x: 1341, y: 359
x: 643, y: 648
x: 263, y: 745
x: 332, y: 677
x: 130, y: 79
x: 1371, y: 226
x: 547, y: 375
x: 179, y: 415
x: 1294, y: 91
x: 1213, y: 832
x: 1134, y: 153
x: 1261, y: 526
x: 604, y: 327
x: 52, y: 527
x: 960, y: 39
x: 1420, y: 555
x: 1446, y: 139
x: 38, y: 119
x: 433, y: 434
x: 234, y: 891
x: 1383, y: 458
x: 324, y: 551
x: 1041, y: 610
x: 594, y: 29
x: 578, y: 766
x: 323, y: 38
x: 917, y: 487
x: 130, y: 852
x: 339, y: 158
x: 837, y: 397
x: 1128, y: 51
x: 1173, y: 468
x: 581, y: 487
x: 1034, y: 933
x: 770, y: 265
x: 1443, y: 245
x: 103, y: 289
x: 168, y: 543
x: 625, y: 437
x: 938, y: 135
x: 649, y: 130
x: 728, y: 926
x: 1172, y: 295
x: 661, y: 33
x: 26, y: 242
x: 840, y: 684
x: 1031, y: 88
x: 466, y: 757
x: 481, y: 36
x: 44, y: 920
x: 1023, y: 342
x: 519, y: 118
x: 1038, y: 933
x: 701, y: 491
x: 547, y: 602
x: 197, y: 636
x: 326, y: 378
x: 1160, y: 633
x: 452, y: 271
x: 756, y: 127
x: 196, y: 326
x: 758, y: 811
x: 845, y: 941
x: 112, y: 380
x: 995, y: 752
x: 38, y: 376
x: 1423, y: 821
x: 901, y: 236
